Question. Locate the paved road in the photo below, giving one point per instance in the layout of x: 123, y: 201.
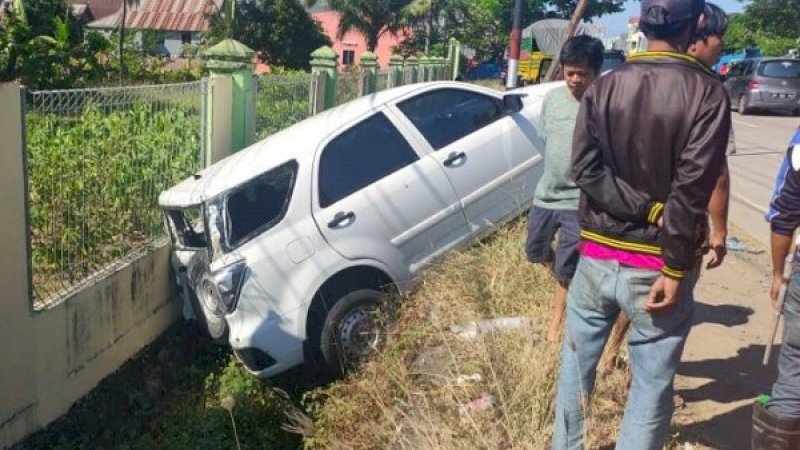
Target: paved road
x: 761, y: 142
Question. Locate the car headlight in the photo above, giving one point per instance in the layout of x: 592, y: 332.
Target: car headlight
x: 228, y: 282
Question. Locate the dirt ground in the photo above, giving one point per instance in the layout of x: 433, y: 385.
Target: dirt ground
x: 721, y: 372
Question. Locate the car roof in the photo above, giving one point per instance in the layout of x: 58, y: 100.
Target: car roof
x: 294, y: 142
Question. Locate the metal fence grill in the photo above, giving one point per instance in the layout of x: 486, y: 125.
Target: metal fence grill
x: 382, y: 80
x: 97, y: 160
x: 281, y: 101
x: 346, y: 87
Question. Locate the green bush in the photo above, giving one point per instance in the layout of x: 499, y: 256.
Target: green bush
x: 282, y: 101
x: 94, y: 179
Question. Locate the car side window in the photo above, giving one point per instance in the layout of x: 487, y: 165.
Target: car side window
x: 736, y: 70
x: 447, y: 115
x: 748, y: 69
x: 361, y: 156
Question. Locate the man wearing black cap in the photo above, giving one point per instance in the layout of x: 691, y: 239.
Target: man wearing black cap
x: 648, y: 148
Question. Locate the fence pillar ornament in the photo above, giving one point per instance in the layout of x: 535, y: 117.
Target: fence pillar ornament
x: 454, y: 56
x: 369, y: 67
x: 323, y: 61
x: 232, y: 58
x: 413, y: 66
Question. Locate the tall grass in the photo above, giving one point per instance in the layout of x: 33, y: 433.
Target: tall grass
x: 416, y: 393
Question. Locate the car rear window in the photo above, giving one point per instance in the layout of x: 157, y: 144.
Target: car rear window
x: 784, y: 68
x: 259, y: 204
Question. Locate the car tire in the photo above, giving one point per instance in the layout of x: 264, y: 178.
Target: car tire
x: 741, y: 107
x: 208, y: 310
x: 350, y: 332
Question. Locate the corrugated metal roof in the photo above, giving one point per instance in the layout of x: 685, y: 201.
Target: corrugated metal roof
x: 164, y: 15
x: 99, y: 8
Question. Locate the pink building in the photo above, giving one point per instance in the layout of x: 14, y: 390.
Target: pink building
x: 353, y: 44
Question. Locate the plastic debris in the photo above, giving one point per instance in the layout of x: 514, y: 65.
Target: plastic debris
x: 489, y: 326
x: 462, y: 380
x: 734, y: 244
x: 481, y: 403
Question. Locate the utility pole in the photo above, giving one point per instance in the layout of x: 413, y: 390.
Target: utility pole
x: 568, y: 33
x: 513, y: 47
x: 122, y: 40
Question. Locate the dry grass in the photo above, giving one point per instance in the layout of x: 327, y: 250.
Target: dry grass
x: 413, y: 394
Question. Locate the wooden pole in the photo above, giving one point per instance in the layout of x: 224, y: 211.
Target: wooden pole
x: 568, y: 33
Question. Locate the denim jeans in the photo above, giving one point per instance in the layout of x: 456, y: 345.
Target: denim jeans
x: 786, y: 390
x: 599, y: 290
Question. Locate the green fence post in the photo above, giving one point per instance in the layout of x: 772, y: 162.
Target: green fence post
x: 369, y: 66
x: 454, y: 57
x: 440, y: 68
x: 395, y: 71
x: 413, y: 65
x: 424, y: 62
x: 233, y: 58
x: 323, y: 60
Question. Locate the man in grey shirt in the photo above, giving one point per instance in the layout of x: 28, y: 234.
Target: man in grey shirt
x: 555, y: 203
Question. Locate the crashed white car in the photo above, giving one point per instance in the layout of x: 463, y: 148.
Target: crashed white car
x: 286, y: 248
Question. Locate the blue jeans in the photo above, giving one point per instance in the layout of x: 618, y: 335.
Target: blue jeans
x: 786, y: 390
x: 598, y: 292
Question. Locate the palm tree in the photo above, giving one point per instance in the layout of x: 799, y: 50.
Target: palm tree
x: 425, y: 12
x: 371, y: 18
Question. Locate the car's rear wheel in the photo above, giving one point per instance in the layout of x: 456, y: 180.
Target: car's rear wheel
x: 351, y: 331
x: 742, y: 105
x: 208, y: 309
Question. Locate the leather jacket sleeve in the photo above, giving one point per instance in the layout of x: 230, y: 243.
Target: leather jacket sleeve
x: 697, y: 169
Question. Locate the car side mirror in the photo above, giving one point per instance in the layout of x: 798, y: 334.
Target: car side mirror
x: 513, y: 103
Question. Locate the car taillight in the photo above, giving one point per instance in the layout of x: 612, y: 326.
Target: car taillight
x: 753, y: 84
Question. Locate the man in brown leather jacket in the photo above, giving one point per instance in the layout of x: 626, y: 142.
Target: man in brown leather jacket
x: 648, y: 148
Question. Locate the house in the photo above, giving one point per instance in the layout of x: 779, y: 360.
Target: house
x: 94, y: 9
x: 353, y: 44
x: 172, y: 23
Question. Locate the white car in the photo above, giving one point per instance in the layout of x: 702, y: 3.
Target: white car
x: 286, y: 248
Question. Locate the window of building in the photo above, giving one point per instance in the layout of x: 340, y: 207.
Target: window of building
x: 348, y: 57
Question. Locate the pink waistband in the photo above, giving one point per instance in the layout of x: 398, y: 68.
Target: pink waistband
x: 637, y: 260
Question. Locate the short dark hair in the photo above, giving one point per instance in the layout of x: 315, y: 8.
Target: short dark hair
x: 667, y: 31
x: 582, y: 50
x: 715, y: 24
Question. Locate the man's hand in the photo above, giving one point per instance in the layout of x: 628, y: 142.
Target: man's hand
x: 716, y: 243
x: 777, y: 282
x: 663, y: 294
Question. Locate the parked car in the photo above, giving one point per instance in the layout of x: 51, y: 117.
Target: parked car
x: 764, y: 83
x: 487, y: 70
x: 612, y: 59
x: 286, y: 248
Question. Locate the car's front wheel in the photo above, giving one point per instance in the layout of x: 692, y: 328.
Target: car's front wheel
x: 208, y: 309
x: 351, y: 331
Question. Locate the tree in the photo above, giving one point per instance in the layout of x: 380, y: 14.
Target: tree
x: 770, y: 25
x: 371, y: 18
x: 280, y: 31
x: 484, y: 25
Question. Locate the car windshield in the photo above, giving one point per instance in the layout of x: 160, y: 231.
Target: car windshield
x: 187, y: 226
x: 259, y: 204
x: 782, y: 68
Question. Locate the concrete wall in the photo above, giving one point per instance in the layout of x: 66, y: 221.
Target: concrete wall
x: 50, y: 359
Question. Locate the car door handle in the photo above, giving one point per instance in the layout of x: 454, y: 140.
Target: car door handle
x: 454, y: 158
x: 340, y: 218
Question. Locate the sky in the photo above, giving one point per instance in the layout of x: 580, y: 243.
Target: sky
x: 618, y: 23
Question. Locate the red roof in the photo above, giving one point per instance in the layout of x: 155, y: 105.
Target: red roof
x: 99, y: 8
x: 164, y: 15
